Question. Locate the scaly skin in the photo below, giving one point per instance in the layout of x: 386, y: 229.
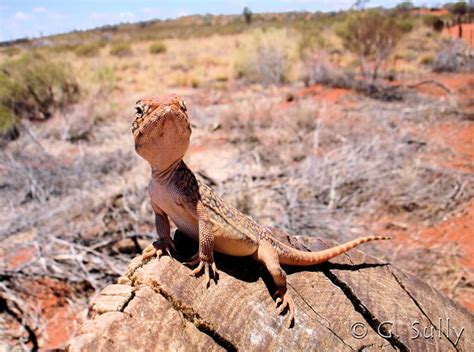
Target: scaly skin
x: 161, y: 132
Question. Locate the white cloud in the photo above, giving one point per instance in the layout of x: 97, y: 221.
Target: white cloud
x: 39, y: 10
x: 112, y: 17
x: 150, y: 11
x: 127, y: 15
x: 20, y: 15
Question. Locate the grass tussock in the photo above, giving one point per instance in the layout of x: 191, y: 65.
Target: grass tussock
x: 89, y: 49
x: 34, y: 87
x: 265, y: 58
x: 121, y: 49
x: 157, y: 48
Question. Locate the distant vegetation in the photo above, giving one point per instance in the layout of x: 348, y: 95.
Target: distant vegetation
x: 270, y: 49
x: 157, y: 48
x: 34, y: 87
x: 373, y: 35
x: 121, y: 49
x: 264, y: 59
x: 89, y: 49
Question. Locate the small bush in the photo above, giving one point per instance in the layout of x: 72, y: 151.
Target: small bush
x: 433, y: 22
x: 222, y: 78
x: 195, y: 83
x: 372, y: 35
x: 34, y: 87
x: 426, y: 60
x: 157, y: 48
x: 265, y: 60
x: 88, y: 50
x: 11, y: 51
x: 7, y: 119
x: 455, y: 56
x: 121, y: 50
x: 186, y: 80
x: 405, y: 24
x: 312, y: 40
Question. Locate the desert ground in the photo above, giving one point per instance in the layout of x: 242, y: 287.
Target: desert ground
x: 280, y: 130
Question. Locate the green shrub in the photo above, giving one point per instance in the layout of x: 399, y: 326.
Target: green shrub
x: 312, y: 39
x: 222, y: 78
x: 34, y: 87
x: 427, y: 60
x: 157, y: 48
x: 11, y: 50
x: 121, y: 49
x: 404, y: 24
x: 195, y: 83
x: 88, y: 50
x: 7, y: 119
x: 433, y: 22
x: 372, y: 35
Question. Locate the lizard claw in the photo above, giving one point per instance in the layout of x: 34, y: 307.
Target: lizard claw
x: 284, y: 301
x: 157, y: 248
x: 209, y: 268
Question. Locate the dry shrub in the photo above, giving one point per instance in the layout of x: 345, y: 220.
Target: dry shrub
x: 121, y: 50
x: 441, y: 266
x: 264, y: 59
x: 157, y: 48
x: 319, y: 70
x: 324, y: 175
x: 88, y: 50
x: 455, y: 56
x: 11, y: 51
x: 31, y: 174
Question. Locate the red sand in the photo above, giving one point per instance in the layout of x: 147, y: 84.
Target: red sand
x: 467, y: 33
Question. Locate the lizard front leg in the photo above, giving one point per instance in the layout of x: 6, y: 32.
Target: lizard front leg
x: 205, y: 256
x: 164, y: 243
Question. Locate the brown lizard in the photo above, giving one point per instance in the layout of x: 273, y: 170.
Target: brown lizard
x: 161, y: 132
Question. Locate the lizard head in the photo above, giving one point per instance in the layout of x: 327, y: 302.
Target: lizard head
x: 161, y: 130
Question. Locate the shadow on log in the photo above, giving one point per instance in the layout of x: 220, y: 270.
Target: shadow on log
x: 352, y: 303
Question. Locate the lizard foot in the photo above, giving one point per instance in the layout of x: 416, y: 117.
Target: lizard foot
x: 209, y: 268
x: 158, y: 248
x: 284, y: 301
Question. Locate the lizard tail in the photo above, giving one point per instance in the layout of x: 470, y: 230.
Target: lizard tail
x: 291, y: 256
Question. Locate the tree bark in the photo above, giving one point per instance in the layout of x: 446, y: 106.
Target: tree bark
x: 354, y: 302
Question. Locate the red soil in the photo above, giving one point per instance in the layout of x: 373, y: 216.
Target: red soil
x: 424, y: 11
x: 459, y: 139
x: 319, y: 92
x: 49, y: 299
x: 18, y: 258
x: 467, y: 32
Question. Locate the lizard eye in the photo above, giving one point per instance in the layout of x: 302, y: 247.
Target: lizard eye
x: 139, y: 110
x: 182, y: 105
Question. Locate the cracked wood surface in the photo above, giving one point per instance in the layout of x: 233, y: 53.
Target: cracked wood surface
x: 157, y: 306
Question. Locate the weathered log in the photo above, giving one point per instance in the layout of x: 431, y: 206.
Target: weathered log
x: 354, y: 302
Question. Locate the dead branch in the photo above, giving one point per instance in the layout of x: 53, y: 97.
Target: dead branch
x: 430, y: 81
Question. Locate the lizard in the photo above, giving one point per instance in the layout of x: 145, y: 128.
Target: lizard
x: 161, y: 131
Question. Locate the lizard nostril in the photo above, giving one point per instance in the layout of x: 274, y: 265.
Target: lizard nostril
x: 134, y: 126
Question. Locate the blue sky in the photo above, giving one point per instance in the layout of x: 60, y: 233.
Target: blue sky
x: 32, y: 18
